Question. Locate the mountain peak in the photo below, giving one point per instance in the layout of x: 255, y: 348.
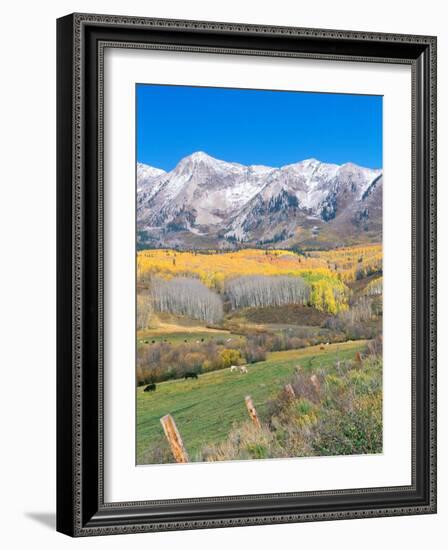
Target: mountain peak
x: 350, y: 165
x: 147, y: 170
x: 311, y: 160
x: 201, y: 156
x: 197, y: 159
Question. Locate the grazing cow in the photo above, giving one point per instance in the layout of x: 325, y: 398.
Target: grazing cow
x: 233, y: 368
x: 191, y: 375
x: 322, y: 347
x: 150, y: 387
x: 243, y: 370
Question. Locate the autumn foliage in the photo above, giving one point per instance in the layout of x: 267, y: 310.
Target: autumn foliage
x: 324, y: 274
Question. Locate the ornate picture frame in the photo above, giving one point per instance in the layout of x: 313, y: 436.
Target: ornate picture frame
x: 81, y: 43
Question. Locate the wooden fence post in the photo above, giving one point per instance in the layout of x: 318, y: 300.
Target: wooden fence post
x: 252, y: 411
x: 174, y: 439
x: 290, y: 391
x: 315, y: 381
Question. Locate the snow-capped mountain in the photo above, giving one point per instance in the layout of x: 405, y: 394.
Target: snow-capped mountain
x: 205, y: 202
x: 146, y: 176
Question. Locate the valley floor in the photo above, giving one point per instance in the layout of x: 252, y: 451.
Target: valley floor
x: 206, y: 409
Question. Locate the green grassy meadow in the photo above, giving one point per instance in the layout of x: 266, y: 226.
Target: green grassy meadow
x: 179, y: 337
x: 206, y: 409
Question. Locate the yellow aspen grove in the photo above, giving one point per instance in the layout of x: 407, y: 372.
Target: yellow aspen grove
x: 325, y: 273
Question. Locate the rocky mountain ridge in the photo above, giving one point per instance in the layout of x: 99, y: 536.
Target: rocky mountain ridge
x: 210, y: 203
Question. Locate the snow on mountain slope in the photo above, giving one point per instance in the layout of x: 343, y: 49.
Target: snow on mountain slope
x: 212, y: 188
x: 148, y: 181
x: 224, y: 202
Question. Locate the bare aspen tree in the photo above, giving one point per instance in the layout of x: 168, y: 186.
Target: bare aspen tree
x: 375, y: 287
x: 144, y: 311
x: 186, y: 296
x: 264, y: 291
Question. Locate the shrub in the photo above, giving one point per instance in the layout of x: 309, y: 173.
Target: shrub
x: 356, y: 431
x: 362, y: 320
x: 230, y: 357
x: 158, y: 452
x: 207, y: 365
x: 375, y: 346
x: 244, y: 442
x: 193, y: 360
x: 254, y: 353
x: 339, y: 414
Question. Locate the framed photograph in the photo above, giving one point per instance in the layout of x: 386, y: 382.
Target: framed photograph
x: 246, y: 274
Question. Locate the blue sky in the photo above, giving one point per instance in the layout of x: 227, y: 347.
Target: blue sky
x: 256, y: 126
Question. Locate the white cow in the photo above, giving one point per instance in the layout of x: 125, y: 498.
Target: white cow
x: 233, y: 368
x: 243, y: 370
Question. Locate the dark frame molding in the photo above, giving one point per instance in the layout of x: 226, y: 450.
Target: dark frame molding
x: 81, y: 39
